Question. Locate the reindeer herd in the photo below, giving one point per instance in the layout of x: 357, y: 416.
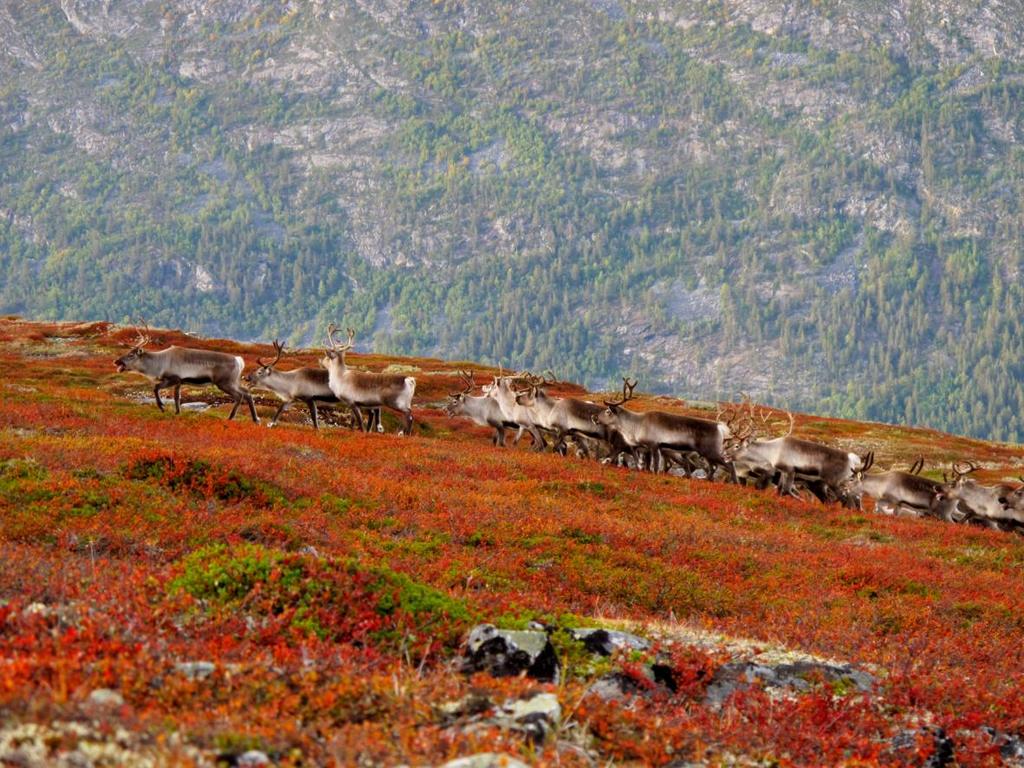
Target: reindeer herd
x: 729, y: 447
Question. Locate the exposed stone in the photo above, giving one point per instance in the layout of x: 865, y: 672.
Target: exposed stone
x: 798, y: 676
x: 1011, y: 746
x: 504, y: 652
x: 195, y: 670
x: 106, y: 698
x: 536, y: 717
x: 907, y: 741
x: 486, y: 760
x: 614, y: 686
x: 473, y: 704
x: 252, y: 758
x: 606, y: 641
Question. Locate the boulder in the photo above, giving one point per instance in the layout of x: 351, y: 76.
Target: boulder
x: 536, y: 717
x: 614, y: 686
x: 195, y: 670
x: 797, y: 676
x: 606, y: 641
x: 505, y: 652
x: 908, y: 740
x: 486, y: 760
x: 105, y: 698
x: 252, y: 759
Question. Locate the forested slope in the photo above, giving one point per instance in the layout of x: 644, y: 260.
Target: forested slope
x: 814, y: 202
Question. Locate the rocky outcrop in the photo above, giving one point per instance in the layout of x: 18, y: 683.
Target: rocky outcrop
x: 504, y: 652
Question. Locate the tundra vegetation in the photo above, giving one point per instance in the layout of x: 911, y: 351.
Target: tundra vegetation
x: 191, y: 589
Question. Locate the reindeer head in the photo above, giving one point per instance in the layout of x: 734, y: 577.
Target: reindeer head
x: 334, y: 353
x: 132, y: 361
x: 534, y: 387
x: 851, y: 490
x: 457, y: 399
x: 609, y: 417
x: 951, y: 486
x: 264, y: 368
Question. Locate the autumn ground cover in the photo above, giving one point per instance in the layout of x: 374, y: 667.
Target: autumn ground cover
x: 307, y: 594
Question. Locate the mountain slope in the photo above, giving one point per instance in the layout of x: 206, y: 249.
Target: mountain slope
x: 185, y: 589
x: 817, y: 203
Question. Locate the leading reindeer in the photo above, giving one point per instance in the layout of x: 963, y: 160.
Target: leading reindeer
x: 175, y: 366
x: 366, y: 390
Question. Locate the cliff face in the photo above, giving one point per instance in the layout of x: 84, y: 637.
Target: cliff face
x: 814, y: 202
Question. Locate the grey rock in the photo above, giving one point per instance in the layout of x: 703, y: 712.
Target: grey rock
x: 614, y: 686
x: 106, y: 698
x: 471, y: 705
x: 606, y: 641
x: 797, y: 676
x: 486, y: 760
x: 76, y: 759
x: 535, y: 717
x: 505, y: 652
x: 195, y: 670
x: 1011, y: 746
x: 942, y: 755
x: 252, y: 758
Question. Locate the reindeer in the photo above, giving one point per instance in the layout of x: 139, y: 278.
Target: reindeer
x: 567, y: 417
x: 175, y: 366
x: 988, y: 505
x: 655, y: 430
x: 522, y: 416
x: 822, y: 467
x: 310, y: 385
x: 366, y: 390
x: 896, y: 491
x: 480, y: 409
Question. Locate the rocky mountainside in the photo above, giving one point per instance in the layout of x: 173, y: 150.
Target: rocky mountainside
x: 816, y: 202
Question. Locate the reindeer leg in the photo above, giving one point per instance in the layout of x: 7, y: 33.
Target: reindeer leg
x: 408, y: 423
x: 312, y: 412
x: 357, y: 414
x: 538, y: 439
x: 177, y: 398
x: 281, y: 409
x: 252, y: 407
x: 786, y: 484
x: 378, y: 425
x: 156, y: 393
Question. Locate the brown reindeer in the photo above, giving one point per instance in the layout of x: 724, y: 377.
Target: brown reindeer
x: 366, y: 390
x: 821, y: 467
x: 480, y: 409
x: 655, y: 431
x: 898, y: 491
x: 308, y: 385
x: 175, y: 366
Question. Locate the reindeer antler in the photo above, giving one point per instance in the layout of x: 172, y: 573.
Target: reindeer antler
x: 143, y: 337
x: 279, y: 348
x: 332, y: 329
x: 467, y: 379
x: 917, y: 466
x: 627, y: 393
x: 963, y: 469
